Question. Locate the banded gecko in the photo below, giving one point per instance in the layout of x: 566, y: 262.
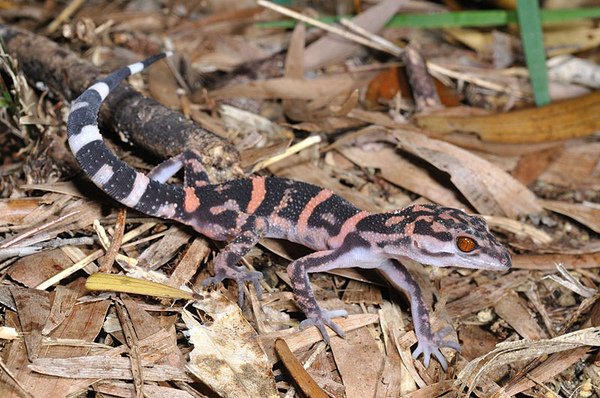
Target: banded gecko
x: 245, y: 210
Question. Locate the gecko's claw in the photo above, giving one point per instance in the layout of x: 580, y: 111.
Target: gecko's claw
x: 321, y: 318
x: 431, y: 345
x: 241, y: 275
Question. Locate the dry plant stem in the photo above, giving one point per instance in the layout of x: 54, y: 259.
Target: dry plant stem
x: 585, y: 305
x: 151, y: 127
x: 108, y: 260
x: 306, y: 383
x: 16, y: 239
x: 319, y: 348
x: 89, y: 258
x: 329, y: 28
x: 65, y: 14
x: 134, y: 348
x: 423, y: 89
x: 463, y: 77
x: 308, y: 142
x: 371, y: 36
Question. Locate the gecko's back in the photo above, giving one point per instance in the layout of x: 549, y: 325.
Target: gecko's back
x: 292, y: 210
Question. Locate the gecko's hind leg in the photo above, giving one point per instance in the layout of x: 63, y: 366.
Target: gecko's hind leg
x: 194, y: 173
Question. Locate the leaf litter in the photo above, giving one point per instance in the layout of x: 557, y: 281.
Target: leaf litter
x: 316, y: 107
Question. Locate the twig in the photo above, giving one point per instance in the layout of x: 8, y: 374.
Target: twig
x: 306, y: 383
x: 114, y: 247
x: 64, y: 15
x: 394, y: 49
x: 310, y: 141
x: 330, y: 28
x: 38, y: 229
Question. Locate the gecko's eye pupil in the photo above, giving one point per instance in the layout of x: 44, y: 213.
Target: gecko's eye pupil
x: 465, y: 244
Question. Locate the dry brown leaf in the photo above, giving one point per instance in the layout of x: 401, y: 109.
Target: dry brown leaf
x: 587, y: 214
x: 560, y: 120
x: 36, y: 268
x: 404, y: 173
x: 160, y: 252
x: 163, y: 85
x: 476, y: 341
x: 395, y: 380
x: 301, y: 339
x: 226, y: 52
x: 294, y: 69
x: 546, y: 371
x: 531, y: 165
x: 574, y: 246
x: 62, y: 306
x: 521, y: 229
x: 548, y: 262
x: 104, y: 367
x: 122, y: 389
x: 358, y: 347
x: 187, y: 267
x: 82, y: 324
x: 360, y: 292
x: 510, y: 352
x: 569, y: 39
x: 12, y: 211
x: 514, y: 310
x: 485, y: 295
x: 577, y: 167
x: 227, y: 355
x: 489, y: 189
x: 289, y: 88
x: 332, y: 48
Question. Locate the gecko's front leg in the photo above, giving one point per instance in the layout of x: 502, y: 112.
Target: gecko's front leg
x: 226, y: 264
x: 298, y: 272
x: 429, y: 343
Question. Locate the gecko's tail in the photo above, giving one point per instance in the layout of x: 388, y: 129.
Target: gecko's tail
x: 111, y: 174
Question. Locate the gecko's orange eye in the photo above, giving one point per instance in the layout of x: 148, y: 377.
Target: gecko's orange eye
x: 465, y: 244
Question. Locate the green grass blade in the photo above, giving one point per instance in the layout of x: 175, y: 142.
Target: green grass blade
x: 463, y: 19
x: 528, y: 14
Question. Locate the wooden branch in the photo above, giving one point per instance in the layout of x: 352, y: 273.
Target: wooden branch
x: 150, y: 126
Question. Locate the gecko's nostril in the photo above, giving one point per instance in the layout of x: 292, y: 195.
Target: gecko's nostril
x: 506, y: 260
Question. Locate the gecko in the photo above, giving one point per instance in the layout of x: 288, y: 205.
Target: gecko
x: 242, y: 211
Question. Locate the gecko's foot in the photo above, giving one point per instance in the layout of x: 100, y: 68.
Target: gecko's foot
x: 321, y: 318
x: 241, y: 275
x: 431, y: 345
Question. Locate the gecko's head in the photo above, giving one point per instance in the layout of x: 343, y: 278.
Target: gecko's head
x: 443, y: 236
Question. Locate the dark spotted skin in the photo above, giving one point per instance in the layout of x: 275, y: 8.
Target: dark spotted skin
x: 245, y: 210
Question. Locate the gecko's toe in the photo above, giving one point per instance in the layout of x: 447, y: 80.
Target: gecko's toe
x: 212, y: 281
x: 323, y: 318
x: 241, y: 276
x: 431, y: 347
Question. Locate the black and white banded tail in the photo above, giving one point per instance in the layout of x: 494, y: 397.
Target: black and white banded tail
x: 112, y: 175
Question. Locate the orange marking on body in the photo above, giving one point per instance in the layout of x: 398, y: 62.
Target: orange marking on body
x: 191, y: 202
x: 421, y: 208
x: 310, y: 207
x: 258, y: 194
x: 394, y: 220
x: 348, y: 226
